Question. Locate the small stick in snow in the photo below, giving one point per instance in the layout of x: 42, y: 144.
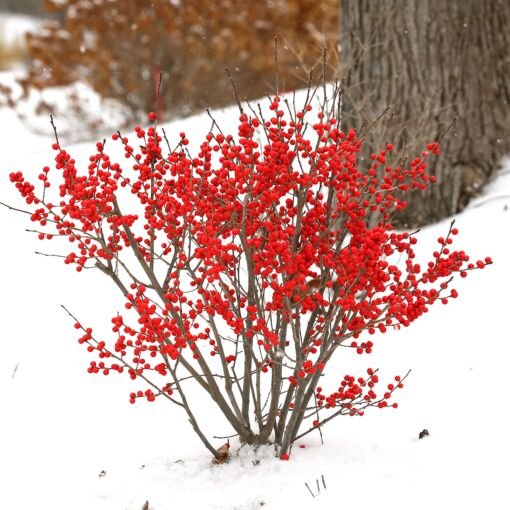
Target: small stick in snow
x: 318, y: 487
x: 423, y: 433
x: 310, y: 490
x: 490, y: 199
x: 15, y: 370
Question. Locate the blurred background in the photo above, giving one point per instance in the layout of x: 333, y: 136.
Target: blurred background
x: 30, y: 7
x: 120, y: 47
x: 415, y: 71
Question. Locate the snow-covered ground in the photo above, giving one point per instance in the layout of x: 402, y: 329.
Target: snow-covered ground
x: 13, y: 27
x: 61, y: 428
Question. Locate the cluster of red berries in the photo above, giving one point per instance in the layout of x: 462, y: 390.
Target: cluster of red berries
x: 355, y: 394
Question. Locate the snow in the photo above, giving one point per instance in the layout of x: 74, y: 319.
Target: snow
x: 61, y: 427
x: 13, y: 27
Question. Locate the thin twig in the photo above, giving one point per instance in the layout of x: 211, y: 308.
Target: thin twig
x: 50, y: 255
x: 276, y: 65
x: 54, y: 130
x: 378, y: 118
x: 234, y: 89
x: 158, y: 98
x: 15, y: 208
x: 452, y: 123
x: 225, y: 437
x: 324, y: 53
x: 317, y: 414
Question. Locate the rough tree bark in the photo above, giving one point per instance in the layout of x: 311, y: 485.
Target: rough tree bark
x: 430, y: 62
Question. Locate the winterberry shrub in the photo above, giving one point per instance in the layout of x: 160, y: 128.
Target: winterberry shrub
x: 246, y: 265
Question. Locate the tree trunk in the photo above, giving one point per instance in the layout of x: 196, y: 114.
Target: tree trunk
x: 431, y: 62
